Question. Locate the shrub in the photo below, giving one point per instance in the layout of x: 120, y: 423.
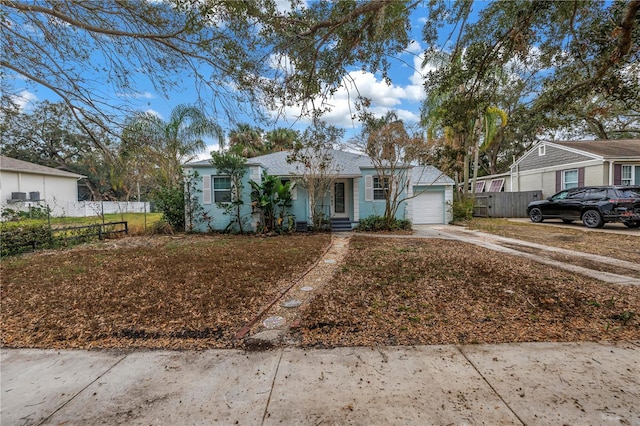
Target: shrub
x: 19, y: 239
x: 379, y: 223
x: 462, y: 210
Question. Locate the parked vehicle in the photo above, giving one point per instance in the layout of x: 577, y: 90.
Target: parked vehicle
x: 594, y: 205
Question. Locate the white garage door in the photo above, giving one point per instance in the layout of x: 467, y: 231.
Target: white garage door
x: 428, y: 207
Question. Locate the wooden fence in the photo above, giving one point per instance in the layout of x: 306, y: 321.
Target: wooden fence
x: 504, y: 204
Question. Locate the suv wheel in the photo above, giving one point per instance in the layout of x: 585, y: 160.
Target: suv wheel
x: 536, y: 215
x: 592, y: 219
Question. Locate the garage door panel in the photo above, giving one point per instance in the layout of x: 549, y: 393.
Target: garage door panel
x: 428, y: 208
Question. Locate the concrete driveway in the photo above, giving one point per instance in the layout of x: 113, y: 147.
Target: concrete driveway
x: 611, y: 228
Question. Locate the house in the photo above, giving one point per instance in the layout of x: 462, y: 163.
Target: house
x: 24, y: 185
x: 554, y: 166
x: 357, y: 189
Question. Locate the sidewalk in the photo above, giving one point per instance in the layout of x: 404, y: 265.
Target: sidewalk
x: 529, y: 383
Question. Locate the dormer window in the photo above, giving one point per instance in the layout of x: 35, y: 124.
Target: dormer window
x: 542, y: 150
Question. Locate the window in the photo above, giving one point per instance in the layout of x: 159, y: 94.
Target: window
x: 560, y: 196
x: 496, y: 185
x: 627, y: 175
x: 480, y: 186
x: 222, y: 189
x: 542, y: 150
x: 577, y: 194
x: 597, y: 194
x: 380, y: 185
x: 569, y: 178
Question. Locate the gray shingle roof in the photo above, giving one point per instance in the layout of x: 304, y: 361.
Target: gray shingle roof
x: 345, y: 163
x: 429, y: 175
x: 606, y: 148
x: 11, y: 164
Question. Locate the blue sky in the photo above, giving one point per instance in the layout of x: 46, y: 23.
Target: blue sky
x: 404, y: 95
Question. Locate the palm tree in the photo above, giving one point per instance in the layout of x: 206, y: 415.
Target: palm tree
x: 169, y: 144
x: 281, y: 139
x: 246, y: 141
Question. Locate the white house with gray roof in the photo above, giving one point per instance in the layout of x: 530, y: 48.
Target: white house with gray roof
x: 24, y: 185
x: 356, y: 191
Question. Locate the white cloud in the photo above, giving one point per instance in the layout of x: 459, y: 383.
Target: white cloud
x: 413, y: 47
x: 154, y: 112
x: 136, y: 95
x: 24, y: 100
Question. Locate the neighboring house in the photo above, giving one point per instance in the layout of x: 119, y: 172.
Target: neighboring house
x: 356, y: 190
x: 554, y: 166
x: 24, y: 185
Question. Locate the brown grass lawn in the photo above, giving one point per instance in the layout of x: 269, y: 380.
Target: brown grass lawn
x: 624, y: 247
x: 194, y: 292
x: 159, y: 292
x: 406, y: 292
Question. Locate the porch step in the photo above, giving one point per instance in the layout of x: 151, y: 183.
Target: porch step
x: 340, y: 224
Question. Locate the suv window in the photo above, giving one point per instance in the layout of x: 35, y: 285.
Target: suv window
x: 597, y: 194
x: 560, y: 196
x: 630, y: 192
x: 577, y: 195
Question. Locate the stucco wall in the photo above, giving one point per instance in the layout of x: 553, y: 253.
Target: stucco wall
x: 55, y: 191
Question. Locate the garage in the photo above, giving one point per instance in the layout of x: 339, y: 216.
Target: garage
x: 428, y: 207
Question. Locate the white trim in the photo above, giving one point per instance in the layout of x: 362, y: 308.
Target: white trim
x: 345, y: 184
x: 356, y: 198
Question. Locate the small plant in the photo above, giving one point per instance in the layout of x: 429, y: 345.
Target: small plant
x: 462, y: 210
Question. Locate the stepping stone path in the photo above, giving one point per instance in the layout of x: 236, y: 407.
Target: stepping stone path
x: 283, y: 315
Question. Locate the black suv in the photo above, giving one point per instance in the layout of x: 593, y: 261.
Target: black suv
x: 594, y: 205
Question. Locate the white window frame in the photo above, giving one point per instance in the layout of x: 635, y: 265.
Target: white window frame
x: 628, y: 179
x: 480, y: 186
x: 542, y: 150
x: 496, y: 185
x: 565, y: 182
x: 216, y: 190
x: 378, y: 189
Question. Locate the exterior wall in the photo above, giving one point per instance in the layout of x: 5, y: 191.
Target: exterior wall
x: 553, y: 157
x: 218, y: 220
x: 545, y: 179
x: 55, y: 191
x: 376, y: 207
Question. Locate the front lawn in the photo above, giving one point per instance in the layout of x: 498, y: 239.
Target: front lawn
x: 410, y: 292
x: 154, y: 292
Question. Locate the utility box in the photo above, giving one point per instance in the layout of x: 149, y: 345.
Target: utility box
x: 19, y: 196
x: 34, y: 196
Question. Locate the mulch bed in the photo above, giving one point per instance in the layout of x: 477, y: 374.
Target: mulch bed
x: 408, y: 292
x: 182, y: 292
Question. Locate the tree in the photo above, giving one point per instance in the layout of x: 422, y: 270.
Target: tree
x: 232, y: 165
x: 280, y: 139
x: 318, y: 171
x: 271, y: 198
x: 566, y: 53
x: 50, y: 136
x: 393, y: 150
x: 249, y: 54
x: 169, y: 144
x: 246, y: 141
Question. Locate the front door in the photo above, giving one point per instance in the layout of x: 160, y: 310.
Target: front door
x: 339, y: 199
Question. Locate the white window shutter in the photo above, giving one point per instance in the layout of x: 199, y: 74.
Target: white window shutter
x: 294, y: 191
x: 206, y: 189
x: 368, y: 188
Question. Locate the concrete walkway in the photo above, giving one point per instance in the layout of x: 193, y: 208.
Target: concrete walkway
x: 531, y: 383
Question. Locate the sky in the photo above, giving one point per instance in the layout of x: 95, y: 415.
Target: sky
x: 404, y: 96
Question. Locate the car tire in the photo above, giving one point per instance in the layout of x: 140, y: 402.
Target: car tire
x: 567, y: 220
x: 535, y: 214
x: 592, y: 219
x: 632, y: 224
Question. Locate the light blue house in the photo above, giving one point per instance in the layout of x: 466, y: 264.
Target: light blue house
x: 356, y: 190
